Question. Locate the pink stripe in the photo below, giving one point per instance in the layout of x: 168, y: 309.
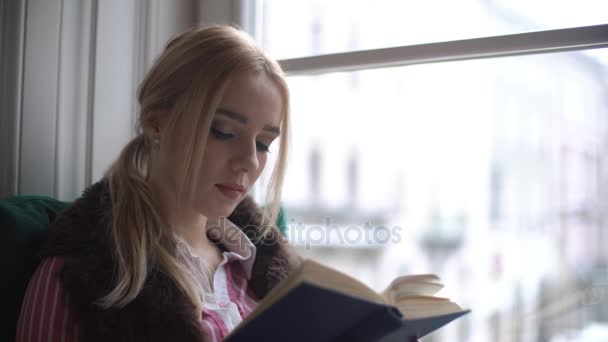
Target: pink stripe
x: 210, y: 331
x: 27, y: 298
x: 62, y: 311
x: 233, y: 291
x: 247, y: 299
x: 44, y: 319
x: 246, y: 294
x: 33, y: 310
x: 54, y: 310
x: 25, y: 307
x: 251, y: 296
x: 58, y: 299
x: 243, y: 289
x: 232, y: 294
x: 32, y: 304
x: 219, y: 323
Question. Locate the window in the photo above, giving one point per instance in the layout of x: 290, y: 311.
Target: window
x: 291, y: 29
x: 487, y: 166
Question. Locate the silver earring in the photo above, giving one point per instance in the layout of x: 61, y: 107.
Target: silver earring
x: 156, y: 142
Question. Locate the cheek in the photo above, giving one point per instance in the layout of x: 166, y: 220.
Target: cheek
x: 217, y: 158
x: 262, y: 159
x: 212, y: 165
x: 212, y: 151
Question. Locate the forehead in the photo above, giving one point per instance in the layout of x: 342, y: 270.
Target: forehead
x: 256, y: 96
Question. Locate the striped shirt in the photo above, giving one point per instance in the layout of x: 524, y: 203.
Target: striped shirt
x: 46, y: 314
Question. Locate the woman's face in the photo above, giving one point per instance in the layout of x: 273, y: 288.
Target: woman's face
x: 244, y: 126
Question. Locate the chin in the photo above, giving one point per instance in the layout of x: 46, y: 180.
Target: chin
x: 219, y: 212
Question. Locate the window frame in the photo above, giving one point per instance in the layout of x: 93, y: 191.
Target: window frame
x: 250, y: 18
x: 539, y: 42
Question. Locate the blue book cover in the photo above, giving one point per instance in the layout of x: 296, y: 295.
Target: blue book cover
x: 308, y: 312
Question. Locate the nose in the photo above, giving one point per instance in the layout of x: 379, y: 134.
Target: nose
x: 246, y: 160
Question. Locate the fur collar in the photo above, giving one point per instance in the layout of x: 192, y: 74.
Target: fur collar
x: 161, y: 312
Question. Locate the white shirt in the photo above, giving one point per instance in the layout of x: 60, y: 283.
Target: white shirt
x: 216, y: 299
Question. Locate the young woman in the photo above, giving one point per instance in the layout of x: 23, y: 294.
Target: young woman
x: 168, y: 245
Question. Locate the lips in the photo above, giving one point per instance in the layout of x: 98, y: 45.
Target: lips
x: 231, y: 191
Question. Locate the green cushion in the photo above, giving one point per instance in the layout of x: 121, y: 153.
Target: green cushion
x: 282, y: 220
x: 24, y: 221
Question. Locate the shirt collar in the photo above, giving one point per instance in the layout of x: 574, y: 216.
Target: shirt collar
x: 236, y: 244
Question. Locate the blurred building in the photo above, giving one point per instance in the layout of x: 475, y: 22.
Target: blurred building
x: 490, y: 173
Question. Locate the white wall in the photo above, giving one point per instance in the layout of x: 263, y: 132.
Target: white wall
x: 12, y: 14
x: 69, y: 71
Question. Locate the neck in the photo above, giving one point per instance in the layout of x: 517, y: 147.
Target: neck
x: 192, y: 230
x: 182, y: 219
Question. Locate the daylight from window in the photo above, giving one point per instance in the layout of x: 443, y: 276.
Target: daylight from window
x: 491, y: 173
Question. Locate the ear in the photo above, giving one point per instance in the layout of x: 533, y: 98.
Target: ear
x: 150, y: 124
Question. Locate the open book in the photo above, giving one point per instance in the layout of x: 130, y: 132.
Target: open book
x: 318, y: 303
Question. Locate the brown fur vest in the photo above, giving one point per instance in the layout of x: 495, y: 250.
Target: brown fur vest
x: 160, y: 312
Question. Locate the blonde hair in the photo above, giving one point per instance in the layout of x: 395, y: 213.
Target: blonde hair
x: 182, y: 91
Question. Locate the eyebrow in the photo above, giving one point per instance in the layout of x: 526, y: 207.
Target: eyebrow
x: 243, y: 119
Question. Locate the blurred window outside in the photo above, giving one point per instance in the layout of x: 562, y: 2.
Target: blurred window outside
x: 490, y: 172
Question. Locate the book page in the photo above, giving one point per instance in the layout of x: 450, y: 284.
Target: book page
x: 417, y: 308
x: 333, y: 279
x: 412, y: 285
x: 414, y: 296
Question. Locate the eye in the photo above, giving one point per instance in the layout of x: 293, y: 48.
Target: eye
x: 220, y: 135
x: 262, y: 147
